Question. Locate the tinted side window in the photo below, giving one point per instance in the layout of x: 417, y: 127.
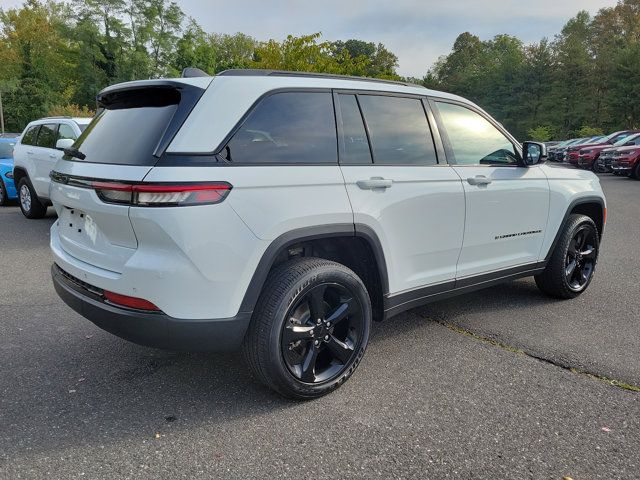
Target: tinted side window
x: 47, y: 135
x: 354, y: 145
x: 289, y: 127
x: 474, y: 140
x: 29, y: 137
x: 400, y: 133
x: 65, y: 131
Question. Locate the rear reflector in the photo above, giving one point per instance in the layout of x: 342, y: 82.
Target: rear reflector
x: 161, y: 195
x: 130, y: 302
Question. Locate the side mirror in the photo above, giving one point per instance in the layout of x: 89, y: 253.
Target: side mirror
x: 533, y: 153
x: 64, y: 143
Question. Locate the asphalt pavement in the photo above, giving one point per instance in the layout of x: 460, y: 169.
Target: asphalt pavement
x: 482, y: 386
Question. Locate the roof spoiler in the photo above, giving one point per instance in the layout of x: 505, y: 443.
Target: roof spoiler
x: 192, y: 72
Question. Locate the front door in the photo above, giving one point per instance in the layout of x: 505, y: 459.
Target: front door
x: 507, y: 204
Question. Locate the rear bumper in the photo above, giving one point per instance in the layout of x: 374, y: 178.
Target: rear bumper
x: 151, y: 329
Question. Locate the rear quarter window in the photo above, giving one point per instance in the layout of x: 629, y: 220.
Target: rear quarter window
x: 29, y: 137
x: 287, y: 128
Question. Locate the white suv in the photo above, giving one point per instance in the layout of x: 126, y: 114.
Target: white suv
x: 284, y: 212
x: 40, y: 146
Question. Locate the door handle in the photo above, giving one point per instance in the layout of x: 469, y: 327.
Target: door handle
x: 479, y: 180
x: 29, y: 152
x: 52, y: 155
x: 374, y: 182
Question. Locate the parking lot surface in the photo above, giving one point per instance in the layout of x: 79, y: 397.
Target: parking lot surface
x: 433, y: 398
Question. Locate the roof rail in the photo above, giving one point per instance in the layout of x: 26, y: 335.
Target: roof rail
x: 256, y: 72
x: 55, y: 116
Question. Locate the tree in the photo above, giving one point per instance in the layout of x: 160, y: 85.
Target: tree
x: 541, y: 133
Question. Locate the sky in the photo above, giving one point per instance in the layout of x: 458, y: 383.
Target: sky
x: 417, y: 31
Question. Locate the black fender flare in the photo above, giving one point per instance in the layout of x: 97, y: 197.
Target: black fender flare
x: 306, y: 234
x: 565, y: 219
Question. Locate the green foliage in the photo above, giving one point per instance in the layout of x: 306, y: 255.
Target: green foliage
x: 541, y: 133
x: 57, y: 55
x: 70, y: 110
x: 587, y: 131
x: 588, y: 75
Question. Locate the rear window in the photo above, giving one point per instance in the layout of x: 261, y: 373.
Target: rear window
x: 128, y: 127
x: 29, y: 137
x: 288, y: 127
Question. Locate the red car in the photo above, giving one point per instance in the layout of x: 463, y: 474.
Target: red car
x: 573, y: 153
x: 598, y: 158
x: 626, y: 161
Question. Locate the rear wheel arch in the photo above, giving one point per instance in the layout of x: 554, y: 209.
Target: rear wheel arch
x: 358, y: 248
x: 18, y: 174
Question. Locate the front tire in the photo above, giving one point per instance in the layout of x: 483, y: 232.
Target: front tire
x: 570, y: 269
x: 4, y: 199
x: 28, y: 200
x: 310, y: 328
x: 635, y: 173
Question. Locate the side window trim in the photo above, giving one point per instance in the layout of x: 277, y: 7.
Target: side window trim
x: 435, y: 135
x: 445, y: 137
x: 340, y: 131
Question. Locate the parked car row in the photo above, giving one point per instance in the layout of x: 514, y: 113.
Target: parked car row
x: 618, y: 153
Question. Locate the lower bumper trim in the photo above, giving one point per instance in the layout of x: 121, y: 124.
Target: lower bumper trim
x: 156, y: 330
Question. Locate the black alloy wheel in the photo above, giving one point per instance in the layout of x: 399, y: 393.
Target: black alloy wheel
x: 581, y: 258
x: 323, y: 330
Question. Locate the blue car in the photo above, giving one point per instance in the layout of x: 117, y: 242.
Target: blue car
x: 7, y: 187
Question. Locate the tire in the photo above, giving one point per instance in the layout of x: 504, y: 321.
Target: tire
x: 558, y: 279
x: 635, y: 173
x: 277, y: 347
x: 4, y: 199
x: 28, y: 200
x: 616, y: 173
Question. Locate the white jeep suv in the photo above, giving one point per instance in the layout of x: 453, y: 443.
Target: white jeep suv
x: 283, y: 212
x: 40, y: 146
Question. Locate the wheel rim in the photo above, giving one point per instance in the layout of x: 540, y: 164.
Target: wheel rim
x: 581, y: 258
x: 323, y: 331
x: 25, y: 198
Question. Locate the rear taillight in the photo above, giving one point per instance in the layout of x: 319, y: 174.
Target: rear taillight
x: 129, y: 302
x: 161, y: 195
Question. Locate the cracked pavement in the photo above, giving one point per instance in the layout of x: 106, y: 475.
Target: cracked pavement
x: 426, y: 402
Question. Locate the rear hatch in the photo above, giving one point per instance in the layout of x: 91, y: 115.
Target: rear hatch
x: 133, y: 126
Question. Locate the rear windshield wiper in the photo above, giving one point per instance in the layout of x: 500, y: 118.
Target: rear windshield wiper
x: 74, y: 152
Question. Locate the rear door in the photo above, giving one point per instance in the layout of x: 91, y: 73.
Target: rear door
x: 507, y: 204
x: 400, y: 189
x: 45, y: 157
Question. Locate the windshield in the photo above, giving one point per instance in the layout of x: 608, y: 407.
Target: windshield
x: 597, y: 139
x: 624, y: 140
x: 6, y: 149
